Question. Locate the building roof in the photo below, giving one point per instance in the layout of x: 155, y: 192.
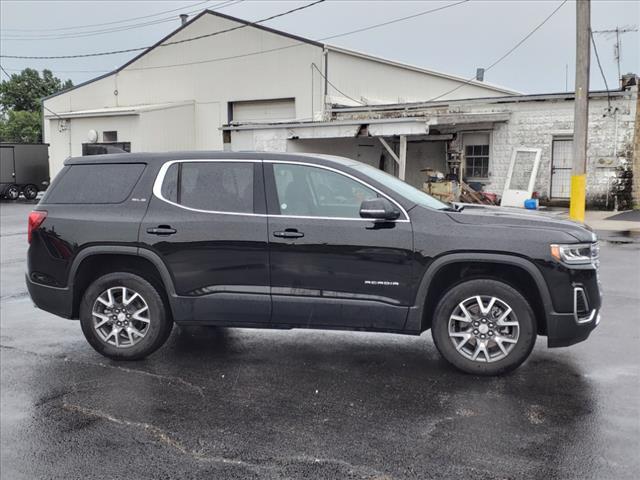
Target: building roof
x: 293, y: 37
x: 536, y: 97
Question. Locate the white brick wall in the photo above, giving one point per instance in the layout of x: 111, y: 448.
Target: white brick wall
x: 534, y: 124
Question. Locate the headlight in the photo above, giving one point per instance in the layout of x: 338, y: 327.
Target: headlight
x: 575, y: 254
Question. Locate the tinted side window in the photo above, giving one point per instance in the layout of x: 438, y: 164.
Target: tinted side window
x: 96, y: 183
x: 170, y: 184
x: 317, y: 192
x: 217, y: 186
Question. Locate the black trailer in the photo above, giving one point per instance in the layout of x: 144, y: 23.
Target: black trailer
x: 24, y: 168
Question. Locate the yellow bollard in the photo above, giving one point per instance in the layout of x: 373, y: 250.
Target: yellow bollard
x: 578, y: 197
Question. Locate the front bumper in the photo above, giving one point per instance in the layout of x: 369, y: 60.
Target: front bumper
x: 56, y: 300
x: 564, y: 329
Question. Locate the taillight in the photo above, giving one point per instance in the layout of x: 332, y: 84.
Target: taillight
x: 36, y: 218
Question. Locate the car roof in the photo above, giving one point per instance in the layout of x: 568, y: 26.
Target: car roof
x: 160, y: 158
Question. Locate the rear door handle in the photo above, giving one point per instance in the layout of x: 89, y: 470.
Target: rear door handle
x: 289, y: 233
x: 161, y: 230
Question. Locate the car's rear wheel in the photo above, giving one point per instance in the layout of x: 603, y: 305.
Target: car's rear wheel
x: 123, y: 316
x: 484, y: 327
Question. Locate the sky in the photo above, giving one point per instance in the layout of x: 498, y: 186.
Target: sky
x: 456, y: 40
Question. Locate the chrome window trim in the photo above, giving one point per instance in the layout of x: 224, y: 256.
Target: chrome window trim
x: 157, y: 190
x: 157, y: 185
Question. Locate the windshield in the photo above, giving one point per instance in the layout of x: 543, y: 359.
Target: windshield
x: 402, y: 188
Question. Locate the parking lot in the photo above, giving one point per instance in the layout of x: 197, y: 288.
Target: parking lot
x: 241, y: 403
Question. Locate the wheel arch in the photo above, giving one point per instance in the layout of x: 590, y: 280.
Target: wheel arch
x: 95, y: 261
x: 448, y: 270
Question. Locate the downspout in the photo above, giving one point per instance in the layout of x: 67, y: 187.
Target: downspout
x: 42, y: 122
x: 325, y: 54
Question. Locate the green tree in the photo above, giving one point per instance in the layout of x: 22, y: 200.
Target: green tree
x: 20, y: 108
x: 21, y: 127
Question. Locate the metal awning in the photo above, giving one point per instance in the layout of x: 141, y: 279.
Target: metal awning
x: 379, y: 127
x: 342, y: 128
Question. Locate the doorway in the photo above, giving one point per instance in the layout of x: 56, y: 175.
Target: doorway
x: 561, y: 164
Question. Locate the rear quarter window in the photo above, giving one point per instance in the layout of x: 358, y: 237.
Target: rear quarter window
x: 96, y: 183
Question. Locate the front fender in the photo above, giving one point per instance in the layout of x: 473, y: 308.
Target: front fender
x: 416, y: 312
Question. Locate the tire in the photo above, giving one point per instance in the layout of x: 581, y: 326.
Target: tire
x: 99, y: 321
x: 12, y: 192
x: 507, y: 339
x: 30, y: 192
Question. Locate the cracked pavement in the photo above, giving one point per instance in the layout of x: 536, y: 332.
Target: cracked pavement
x: 242, y: 403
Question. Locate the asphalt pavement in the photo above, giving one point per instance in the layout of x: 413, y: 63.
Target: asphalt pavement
x: 242, y: 403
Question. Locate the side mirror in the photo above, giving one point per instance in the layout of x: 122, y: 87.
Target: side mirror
x: 379, y: 209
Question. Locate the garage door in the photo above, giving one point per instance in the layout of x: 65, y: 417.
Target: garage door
x: 264, y: 110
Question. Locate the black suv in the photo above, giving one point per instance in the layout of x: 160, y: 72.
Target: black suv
x: 132, y: 243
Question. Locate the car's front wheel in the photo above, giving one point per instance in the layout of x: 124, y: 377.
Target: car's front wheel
x: 123, y: 316
x: 484, y: 327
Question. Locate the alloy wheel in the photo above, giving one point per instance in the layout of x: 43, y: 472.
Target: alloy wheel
x: 121, y: 317
x: 483, y: 328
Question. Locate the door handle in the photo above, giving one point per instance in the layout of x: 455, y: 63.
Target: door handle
x: 161, y: 230
x: 289, y: 233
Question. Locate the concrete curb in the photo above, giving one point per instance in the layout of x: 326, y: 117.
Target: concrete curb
x: 619, y: 236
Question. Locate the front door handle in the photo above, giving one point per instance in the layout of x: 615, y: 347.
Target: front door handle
x: 289, y: 233
x: 161, y: 230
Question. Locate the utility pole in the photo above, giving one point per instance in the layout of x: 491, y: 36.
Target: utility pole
x: 617, y: 53
x: 581, y: 111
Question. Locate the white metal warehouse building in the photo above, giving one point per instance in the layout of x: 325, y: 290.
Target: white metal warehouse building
x: 176, y: 96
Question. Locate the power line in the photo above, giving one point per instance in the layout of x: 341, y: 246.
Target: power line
x: 509, y: 52
x: 401, y: 19
x: 336, y: 88
x: 103, y: 24
x: 260, y: 52
x: 91, y: 33
x: 60, y: 71
x: 351, y: 32
x: 278, y: 15
x: 276, y: 49
x: 137, y: 49
x: 358, y: 30
x: 51, y: 111
x: 5, y: 72
x: 595, y: 50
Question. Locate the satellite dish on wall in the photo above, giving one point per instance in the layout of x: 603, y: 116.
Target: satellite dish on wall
x: 92, y: 136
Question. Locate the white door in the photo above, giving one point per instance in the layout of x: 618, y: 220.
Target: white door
x: 561, y: 164
x: 521, y: 177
